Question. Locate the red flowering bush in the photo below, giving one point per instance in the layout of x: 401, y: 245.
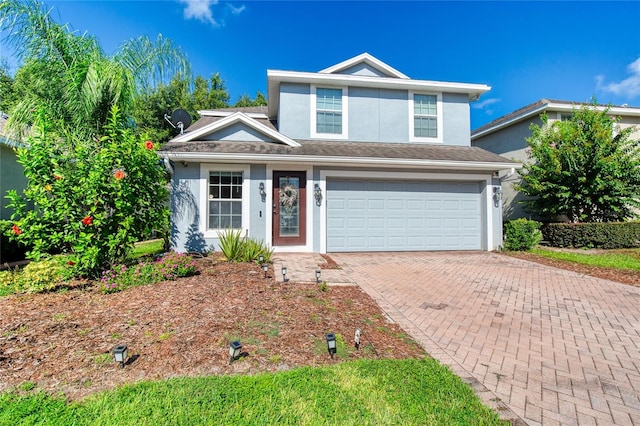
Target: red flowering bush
x: 76, y: 204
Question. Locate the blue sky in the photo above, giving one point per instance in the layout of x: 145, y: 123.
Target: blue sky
x: 524, y: 50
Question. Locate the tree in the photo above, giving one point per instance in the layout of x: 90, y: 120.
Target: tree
x: 246, y: 101
x: 7, y: 94
x: 91, y: 198
x: 85, y: 82
x: 585, y: 168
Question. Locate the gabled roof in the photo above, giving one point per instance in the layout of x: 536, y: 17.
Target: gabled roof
x: 216, y: 120
x: 541, y: 106
x: 331, y: 77
x: 367, y: 59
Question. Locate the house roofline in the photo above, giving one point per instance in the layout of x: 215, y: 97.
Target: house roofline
x: 541, y: 106
x: 367, y: 59
x: 325, y: 160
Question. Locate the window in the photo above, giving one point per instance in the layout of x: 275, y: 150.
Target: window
x: 225, y: 200
x: 328, y: 113
x: 425, y: 116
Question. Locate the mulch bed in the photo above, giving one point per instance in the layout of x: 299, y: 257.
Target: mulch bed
x: 62, y: 341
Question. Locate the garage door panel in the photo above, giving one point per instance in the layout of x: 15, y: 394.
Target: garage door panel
x: 403, y: 215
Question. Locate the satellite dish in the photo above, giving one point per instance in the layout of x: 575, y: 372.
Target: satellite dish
x: 179, y: 119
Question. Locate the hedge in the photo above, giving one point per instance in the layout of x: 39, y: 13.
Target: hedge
x: 609, y: 235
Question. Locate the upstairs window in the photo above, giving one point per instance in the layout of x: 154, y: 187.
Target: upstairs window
x: 425, y: 116
x: 328, y: 113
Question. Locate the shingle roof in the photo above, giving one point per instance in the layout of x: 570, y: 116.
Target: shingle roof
x: 338, y: 149
x: 525, y: 110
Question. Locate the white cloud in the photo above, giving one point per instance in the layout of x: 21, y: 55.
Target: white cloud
x: 200, y: 10
x: 629, y: 87
x: 236, y: 10
x: 485, y: 104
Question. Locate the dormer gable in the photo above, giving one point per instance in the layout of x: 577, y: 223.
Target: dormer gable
x: 364, y: 65
x: 228, y: 123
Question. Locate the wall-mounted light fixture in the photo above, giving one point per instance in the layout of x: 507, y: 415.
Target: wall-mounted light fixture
x: 317, y: 193
x: 497, y: 195
x: 263, y: 193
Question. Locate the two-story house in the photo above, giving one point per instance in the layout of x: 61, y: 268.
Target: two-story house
x: 507, y: 136
x: 356, y: 157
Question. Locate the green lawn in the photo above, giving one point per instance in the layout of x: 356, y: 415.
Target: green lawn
x: 616, y: 259
x: 366, y: 392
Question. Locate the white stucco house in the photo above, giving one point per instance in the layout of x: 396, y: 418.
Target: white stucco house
x: 354, y: 157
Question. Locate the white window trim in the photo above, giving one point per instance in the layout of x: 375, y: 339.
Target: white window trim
x: 345, y: 114
x: 204, y: 191
x: 439, y: 119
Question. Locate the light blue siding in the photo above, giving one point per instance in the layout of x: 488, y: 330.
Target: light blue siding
x: 374, y: 115
x: 186, y: 234
x: 369, y: 215
x: 294, y: 116
x: 11, y: 177
x: 363, y: 69
x: 238, y: 132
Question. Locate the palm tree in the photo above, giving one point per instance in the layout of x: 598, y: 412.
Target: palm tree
x: 71, y: 77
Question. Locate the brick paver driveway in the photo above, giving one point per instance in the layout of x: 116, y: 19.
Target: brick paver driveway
x: 554, y: 346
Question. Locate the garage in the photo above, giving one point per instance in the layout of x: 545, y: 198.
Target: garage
x: 403, y: 215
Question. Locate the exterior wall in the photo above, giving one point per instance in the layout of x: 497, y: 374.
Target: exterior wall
x: 294, y: 115
x: 238, y: 132
x: 363, y: 70
x: 374, y: 115
x: 510, y: 143
x: 187, y: 233
x: 456, y: 119
x: 11, y: 177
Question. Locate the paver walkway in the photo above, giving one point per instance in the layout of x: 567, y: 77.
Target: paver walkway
x: 542, y: 345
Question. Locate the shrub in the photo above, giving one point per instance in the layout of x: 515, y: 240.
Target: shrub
x: 37, y: 276
x: 521, y: 234
x: 611, y: 235
x: 10, y: 251
x: 238, y: 249
x: 169, y: 266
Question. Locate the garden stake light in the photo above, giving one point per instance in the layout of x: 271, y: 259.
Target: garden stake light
x: 120, y: 354
x: 261, y: 259
x: 331, y: 344
x: 234, y: 350
x: 284, y: 274
x: 357, y: 339
x: 318, y: 272
x: 265, y: 268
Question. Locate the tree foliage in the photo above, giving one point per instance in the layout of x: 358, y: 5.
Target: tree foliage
x: 585, y: 168
x: 7, y: 93
x: 89, y: 198
x: 71, y: 77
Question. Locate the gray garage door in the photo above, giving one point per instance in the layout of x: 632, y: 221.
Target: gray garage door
x: 366, y: 215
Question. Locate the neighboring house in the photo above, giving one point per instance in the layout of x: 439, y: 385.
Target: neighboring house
x: 356, y: 157
x: 507, y: 135
x: 11, y: 172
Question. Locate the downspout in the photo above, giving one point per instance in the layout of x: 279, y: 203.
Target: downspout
x: 508, y: 175
x: 168, y: 165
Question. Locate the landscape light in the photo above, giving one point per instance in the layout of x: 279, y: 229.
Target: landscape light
x: 120, y: 354
x: 357, y: 338
x: 265, y: 268
x: 235, y: 348
x: 331, y: 344
x: 318, y: 272
x: 284, y: 274
x: 261, y: 258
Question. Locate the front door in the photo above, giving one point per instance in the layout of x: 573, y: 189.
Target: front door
x: 289, y: 208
